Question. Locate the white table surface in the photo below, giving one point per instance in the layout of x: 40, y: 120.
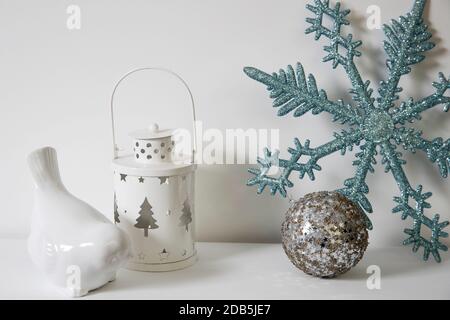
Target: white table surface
x: 242, y: 271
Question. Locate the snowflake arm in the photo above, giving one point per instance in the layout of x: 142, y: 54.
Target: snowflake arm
x: 407, y: 40
x: 356, y: 188
x: 393, y: 162
x: 410, y: 110
x: 437, y: 150
x: 362, y: 94
x: 262, y: 179
x: 342, y: 142
x: 291, y: 90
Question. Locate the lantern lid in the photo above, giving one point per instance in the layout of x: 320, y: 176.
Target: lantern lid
x: 151, y: 132
x: 127, y: 165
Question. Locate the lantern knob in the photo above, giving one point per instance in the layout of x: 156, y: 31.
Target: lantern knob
x: 153, y: 127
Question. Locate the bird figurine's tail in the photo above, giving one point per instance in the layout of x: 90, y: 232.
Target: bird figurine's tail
x: 43, y: 164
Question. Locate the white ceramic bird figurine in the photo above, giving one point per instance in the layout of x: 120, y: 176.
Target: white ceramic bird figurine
x: 76, y: 246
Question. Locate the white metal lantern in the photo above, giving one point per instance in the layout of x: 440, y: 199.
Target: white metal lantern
x: 154, y: 196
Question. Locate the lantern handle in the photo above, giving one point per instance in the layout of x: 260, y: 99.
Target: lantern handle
x: 126, y: 75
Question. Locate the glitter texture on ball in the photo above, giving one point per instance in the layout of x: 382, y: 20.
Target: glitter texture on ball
x: 324, y: 234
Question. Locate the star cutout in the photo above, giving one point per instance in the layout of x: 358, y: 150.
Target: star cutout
x: 123, y: 177
x: 164, y: 180
x: 163, y: 254
x: 141, y: 180
x: 141, y: 256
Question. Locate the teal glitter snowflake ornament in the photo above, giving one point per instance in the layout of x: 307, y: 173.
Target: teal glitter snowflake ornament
x: 375, y: 123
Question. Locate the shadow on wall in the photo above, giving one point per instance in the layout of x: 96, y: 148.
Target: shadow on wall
x: 228, y: 210
x: 226, y: 207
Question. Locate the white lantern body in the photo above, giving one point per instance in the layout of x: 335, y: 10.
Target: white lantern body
x: 154, y: 205
x: 154, y: 196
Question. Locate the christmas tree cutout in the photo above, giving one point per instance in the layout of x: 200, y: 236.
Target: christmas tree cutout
x: 186, y: 217
x: 116, y: 210
x: 145, y: 220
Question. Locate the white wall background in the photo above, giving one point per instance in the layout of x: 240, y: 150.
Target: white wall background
x: 55, y: 85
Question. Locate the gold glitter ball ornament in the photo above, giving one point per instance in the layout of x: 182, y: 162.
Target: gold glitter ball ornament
x: 324, y: 234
